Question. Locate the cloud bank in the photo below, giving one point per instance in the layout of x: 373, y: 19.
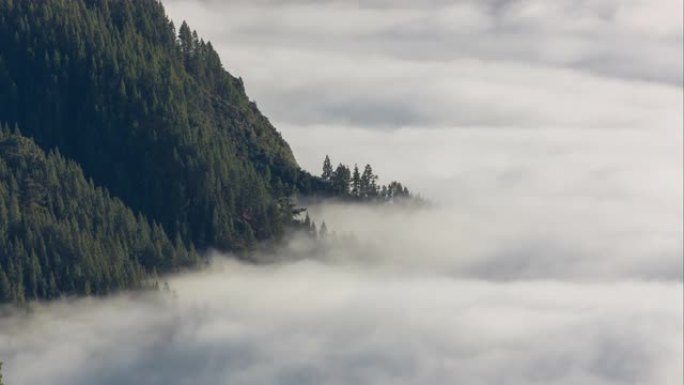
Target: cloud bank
x: 525, y: 63
x: 547, y: 135
x: 312, y: 322
x: 399, y: 297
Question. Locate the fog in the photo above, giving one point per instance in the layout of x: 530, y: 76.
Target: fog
x: 362, y: 314
x: 547, y: 137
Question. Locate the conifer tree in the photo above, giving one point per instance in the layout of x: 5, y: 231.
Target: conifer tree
x: 356, y: 182
x: 313, y: 233
x: 368, y: 187
x: 323, y: 231
x: 327, y: 169
x: 340, y: 180
x: 307, y: 222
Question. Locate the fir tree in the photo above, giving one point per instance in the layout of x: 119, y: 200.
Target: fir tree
x: 327, y: 169
x: 307, y: 222
x: 323, y: 231
x: 356, y: 182
x: 313, y: 232
x: 368, y: 187
x: 340, y: 180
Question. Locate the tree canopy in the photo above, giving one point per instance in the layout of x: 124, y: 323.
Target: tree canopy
x: 61, y: 235
x: 342, y: 183
x: 147, y: 112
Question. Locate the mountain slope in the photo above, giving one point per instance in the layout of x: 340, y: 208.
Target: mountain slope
x: 148, y: 113
x: 61, y: 235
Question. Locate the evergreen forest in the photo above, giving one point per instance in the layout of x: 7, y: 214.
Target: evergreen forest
x: 127, y: 150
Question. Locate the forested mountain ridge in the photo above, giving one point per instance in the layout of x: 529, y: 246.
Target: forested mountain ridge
x: 62, y: 235
x: 149, y: 113
x: 137, y: 147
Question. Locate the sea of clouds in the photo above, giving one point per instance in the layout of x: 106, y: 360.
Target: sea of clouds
x: 547, y: 137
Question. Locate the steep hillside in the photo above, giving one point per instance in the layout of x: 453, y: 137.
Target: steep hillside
x: 149, y: 113
x: 61, y: 235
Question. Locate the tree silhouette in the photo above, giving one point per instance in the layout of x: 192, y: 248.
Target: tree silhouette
x: 327, y: 169
x: 356, y: 182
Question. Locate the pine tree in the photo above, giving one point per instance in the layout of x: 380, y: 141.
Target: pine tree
x: 5, y: 287
x: 327, y: 169
x: 307, y: 222
x: 313, y: 233
x: 185, y: 39
x: 356, y: 182
x: 323, y: 231
x: 340, y: 180
x: 368, y: 187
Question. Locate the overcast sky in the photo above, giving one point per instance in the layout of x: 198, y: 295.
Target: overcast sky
x: 547, y: 134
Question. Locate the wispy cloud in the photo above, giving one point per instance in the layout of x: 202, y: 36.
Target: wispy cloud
x: 515, y: 63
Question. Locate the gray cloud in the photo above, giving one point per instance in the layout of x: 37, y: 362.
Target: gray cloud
x: 475, y: 291
x: 317, y: 323
x: 450, y: 63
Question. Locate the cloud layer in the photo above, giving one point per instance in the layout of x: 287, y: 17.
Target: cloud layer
x: 318, y: 323
x: 547, y: 135
x: 526, y: 63
x: 399, y: 296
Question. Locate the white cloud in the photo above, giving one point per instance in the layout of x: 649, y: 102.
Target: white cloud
x: 524, y: 63
x: 316, y: 323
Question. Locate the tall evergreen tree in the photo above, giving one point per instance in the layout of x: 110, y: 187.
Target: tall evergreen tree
x: 313, y: 232
x: 323, y: 231
x: 361, y: 187
x: 340, y: 180
x: 327, y: 169
x: 356, y: 182
x: 307, y: 222
x: 368, y: 187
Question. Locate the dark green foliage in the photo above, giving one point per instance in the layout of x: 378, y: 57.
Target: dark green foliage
x: 368, y: 188
x: 361, y: 187
x: 327, y: 169
x: 61, y: 235
x: 340, y: 180
x: 151, y: 116
x: 356, y: 182
x: 148, y: 114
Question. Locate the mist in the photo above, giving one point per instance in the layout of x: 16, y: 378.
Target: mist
x: 398, y: 295
x: 547, y: 139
